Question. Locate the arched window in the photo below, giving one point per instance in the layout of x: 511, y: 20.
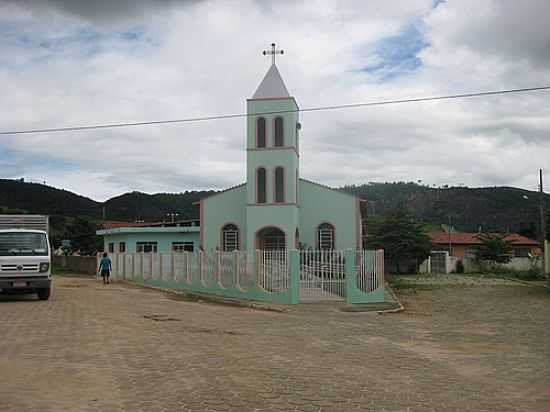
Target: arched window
x: 325, y: 236
x: 279, y: 185
x: 279, y: 135
x: 271, y: 238
x: 260, y: 132
x: 230, y: 238
x: 260, y: 185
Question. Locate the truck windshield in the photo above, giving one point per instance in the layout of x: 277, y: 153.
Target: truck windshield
x: 23, y: 244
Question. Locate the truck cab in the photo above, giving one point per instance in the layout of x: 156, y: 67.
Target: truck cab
x: 25, y: 262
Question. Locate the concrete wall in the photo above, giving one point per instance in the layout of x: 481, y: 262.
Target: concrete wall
x: 520, y: 264
x: 77, y: 264
x: 220, y: 209
x: 272, y: 106
x: 319, y: 205
x: 271, y: 159
x: 283, y: 217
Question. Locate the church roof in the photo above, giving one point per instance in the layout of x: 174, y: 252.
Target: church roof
x: 272, y: 86
x: 332, y: 188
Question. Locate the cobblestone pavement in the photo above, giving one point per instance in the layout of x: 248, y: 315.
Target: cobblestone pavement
x: 125, y: 348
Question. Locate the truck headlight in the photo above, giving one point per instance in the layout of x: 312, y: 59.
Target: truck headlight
x: 44, y: 266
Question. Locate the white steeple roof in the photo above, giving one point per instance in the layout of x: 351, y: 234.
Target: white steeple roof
x: 272, y: 85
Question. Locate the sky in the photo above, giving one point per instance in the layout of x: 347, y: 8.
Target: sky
x: 69, y: 63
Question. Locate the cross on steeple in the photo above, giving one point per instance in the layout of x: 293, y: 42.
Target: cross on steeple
x: 273, y: 52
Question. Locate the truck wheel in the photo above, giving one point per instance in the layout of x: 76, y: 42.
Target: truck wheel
x: 44, y: 294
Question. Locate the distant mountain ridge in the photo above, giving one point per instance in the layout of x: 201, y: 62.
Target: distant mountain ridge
x: 16, y: 195
x: 491, y: 208
x: 504, y: 209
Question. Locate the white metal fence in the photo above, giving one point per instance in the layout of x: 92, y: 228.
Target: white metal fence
x: 245, y: 271
x: 273, y: 275
x: 211, y: 270
x: 322, y: 275
x: 370, y: 270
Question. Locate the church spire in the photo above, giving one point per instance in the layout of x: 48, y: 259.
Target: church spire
x: 272, y: 86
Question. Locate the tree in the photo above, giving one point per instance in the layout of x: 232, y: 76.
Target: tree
x: 494, y: 248
x: 528, y: 229
x: 81, y: 233
x: 402, y: 238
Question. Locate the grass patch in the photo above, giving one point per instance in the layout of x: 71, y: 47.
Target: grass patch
x: 528, y: 275
x: 409, y: 284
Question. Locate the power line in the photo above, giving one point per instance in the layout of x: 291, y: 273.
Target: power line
x: 240, y: 115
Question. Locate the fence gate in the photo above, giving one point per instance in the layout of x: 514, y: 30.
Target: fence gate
x: 322, y: 276
x: 439, y: 261
x: 273, y: 275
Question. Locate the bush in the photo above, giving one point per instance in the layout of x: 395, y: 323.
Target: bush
x: 459, y: 267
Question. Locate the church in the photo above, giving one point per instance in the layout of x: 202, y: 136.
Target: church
x: 308, y: 234
x: 276, y: 209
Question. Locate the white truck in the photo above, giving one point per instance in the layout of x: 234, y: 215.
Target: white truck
x: 25, y: 257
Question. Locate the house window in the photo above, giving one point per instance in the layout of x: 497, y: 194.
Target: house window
x: 279, y: 185
x: 521, y: 252
x: 146, y: 247
x: 325, y: 236
x: 279, y: 136
x: 183, y: 246
x: 260, y: 132
x: 230, y: 238
x: 111, y: 247
x: 470, y: 253
x: 122, y: 247
x: 261, y: 185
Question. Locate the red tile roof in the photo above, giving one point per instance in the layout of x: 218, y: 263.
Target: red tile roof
x: 464, y: 238
x: 114, y: 224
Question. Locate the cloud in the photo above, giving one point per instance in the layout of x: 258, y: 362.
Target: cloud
x: 100, y: 11
x: 68, y: 63
x: 398, y: 55
x: 508, y: 31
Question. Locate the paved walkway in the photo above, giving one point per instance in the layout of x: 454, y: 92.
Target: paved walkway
x: 124, y: 348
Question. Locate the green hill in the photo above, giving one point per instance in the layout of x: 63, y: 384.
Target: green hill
x: 488, y: 208
x: 491, y: 208
x: 142, y: 206
x: 17, y: 196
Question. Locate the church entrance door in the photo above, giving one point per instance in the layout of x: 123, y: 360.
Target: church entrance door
x: 271, y: 238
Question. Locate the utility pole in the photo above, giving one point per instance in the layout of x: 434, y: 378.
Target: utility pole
x: 542, y: 225
x: 450, y: 243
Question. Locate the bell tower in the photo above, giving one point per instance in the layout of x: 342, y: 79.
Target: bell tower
x: 272, y: 163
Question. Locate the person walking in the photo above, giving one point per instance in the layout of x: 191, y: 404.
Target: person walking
x: 105, y: 268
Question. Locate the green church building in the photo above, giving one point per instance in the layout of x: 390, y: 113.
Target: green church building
x: 277, y: 237
x: 275, y: 209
